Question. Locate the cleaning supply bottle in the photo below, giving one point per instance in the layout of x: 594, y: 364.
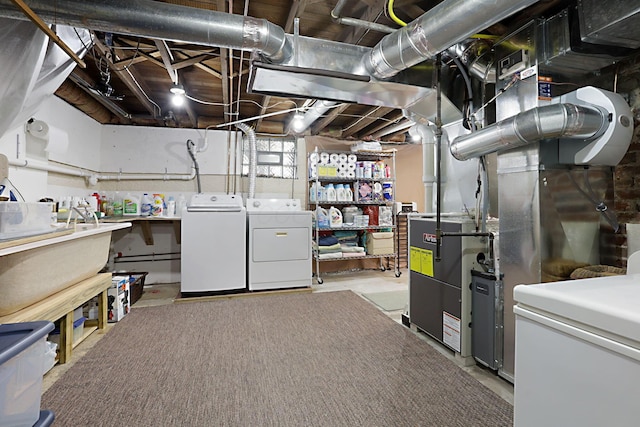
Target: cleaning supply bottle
x: 157, y: 208
x: 335, y: 216
x: 171, y: 207
x: 323, y: 218
x: 117, y: 204
x: 130, y: 205
x: 180, y: 204
x: 145, y: 205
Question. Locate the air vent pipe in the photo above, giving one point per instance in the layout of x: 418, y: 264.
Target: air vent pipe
x: 550, y: 121
x: 165, y: 21
x: 448, y: 23
x: 253, y: 157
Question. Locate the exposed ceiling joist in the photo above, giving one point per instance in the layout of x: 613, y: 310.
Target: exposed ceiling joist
x: 369, y: 117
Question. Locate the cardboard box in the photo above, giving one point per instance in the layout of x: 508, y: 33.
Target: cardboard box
x: 380, y: 243
x: 118, y: 303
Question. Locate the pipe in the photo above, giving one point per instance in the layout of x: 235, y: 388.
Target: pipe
x: 253, y: 157
x: 441, y: 27
x: 93, y: 177
x: 550, y: 121
x: 158, y: 20
x: 313, y: 114
x: 428, y: 164
x: 190, y: 149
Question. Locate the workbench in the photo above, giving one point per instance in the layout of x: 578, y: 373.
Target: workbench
x: 60, y: 306
x: 145, y: 224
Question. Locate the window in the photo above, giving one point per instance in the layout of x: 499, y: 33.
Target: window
x: 276, y: 157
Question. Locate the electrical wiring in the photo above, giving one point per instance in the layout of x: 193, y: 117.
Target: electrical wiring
x: 393, y: 16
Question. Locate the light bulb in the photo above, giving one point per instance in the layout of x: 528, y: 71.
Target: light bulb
x: 297, y: 123
x: 177, y: 100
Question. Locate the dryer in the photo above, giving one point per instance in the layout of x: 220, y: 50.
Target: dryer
x: 279, y: 244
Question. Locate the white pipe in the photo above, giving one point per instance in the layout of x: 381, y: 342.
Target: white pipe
x: 93, y: 177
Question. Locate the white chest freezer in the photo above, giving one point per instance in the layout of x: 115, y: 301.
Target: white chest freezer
x: 577, y: 357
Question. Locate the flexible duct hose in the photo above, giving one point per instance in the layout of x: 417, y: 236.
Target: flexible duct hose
x: 253, y: 157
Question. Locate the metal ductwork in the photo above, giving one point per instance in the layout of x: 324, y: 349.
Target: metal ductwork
x: 551, y: 121
x: 441, y: 27
x: 594, y: 126
x: 166, y: 21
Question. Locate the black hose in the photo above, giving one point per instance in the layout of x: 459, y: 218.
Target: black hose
x: 190, y: 146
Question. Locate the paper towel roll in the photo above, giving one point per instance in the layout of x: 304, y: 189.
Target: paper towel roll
x: 352, y: 158
x: 333, y: 158
x: 351, y: 166
x: 58, y: 141
x: 314, y: 157
x: 342, y: 158
x: 324, y: 157
x: 351, y: 174
x: 342, y: 174
x: 342, y: 167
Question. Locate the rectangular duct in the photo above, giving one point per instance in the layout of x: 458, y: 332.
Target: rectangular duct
x: 611, y: 22
x: 333, y: 71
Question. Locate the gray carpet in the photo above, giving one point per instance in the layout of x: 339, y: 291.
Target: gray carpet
x: 318, y: 359
x: 389, y: 301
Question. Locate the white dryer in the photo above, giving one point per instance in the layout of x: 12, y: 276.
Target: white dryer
x: 279, y: 247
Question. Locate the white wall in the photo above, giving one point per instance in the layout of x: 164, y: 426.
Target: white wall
x: 138, y: 149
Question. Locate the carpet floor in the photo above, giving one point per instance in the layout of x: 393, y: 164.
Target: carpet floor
x: 319, y: 359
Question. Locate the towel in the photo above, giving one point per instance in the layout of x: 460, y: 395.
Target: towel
x: 330, y: 255
x: 329, y: 249
x: 351, y: 249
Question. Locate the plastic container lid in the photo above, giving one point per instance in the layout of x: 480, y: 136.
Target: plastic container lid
x: 17, y: 337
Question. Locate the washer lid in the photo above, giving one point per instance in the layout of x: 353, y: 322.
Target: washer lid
x: 215, y: 202
x: 606, y: 303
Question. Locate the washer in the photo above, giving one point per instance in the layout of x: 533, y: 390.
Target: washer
x: 214, y: 235
x: 279, y: 252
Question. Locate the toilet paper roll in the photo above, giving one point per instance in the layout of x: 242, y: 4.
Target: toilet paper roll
x: 352, y: 158
x: 342, y: 174
x: 324, y: 157
x: 351, y: 174
x: 351, y: 166
x: 342, y: 167
x: 314, y: 157
x: 342, y: 158
x: 333, y: 158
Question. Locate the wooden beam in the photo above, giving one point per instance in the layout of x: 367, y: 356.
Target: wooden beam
x: 325, y: 121
x: 388, y: 121
x: 128, y: 79
x: 48, y: 31
x: 369, y: 117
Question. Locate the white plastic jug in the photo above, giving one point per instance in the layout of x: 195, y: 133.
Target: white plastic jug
x: 330, y: 193
x: 336, y: 217
x: 323, y: 218
x: 348, y: 193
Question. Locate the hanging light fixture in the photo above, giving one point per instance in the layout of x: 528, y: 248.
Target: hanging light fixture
x: 178, y: 95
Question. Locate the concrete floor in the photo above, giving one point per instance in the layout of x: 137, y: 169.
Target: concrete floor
x: 360, y: 282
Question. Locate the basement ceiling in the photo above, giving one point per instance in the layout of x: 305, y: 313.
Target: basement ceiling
x: 127, y: 80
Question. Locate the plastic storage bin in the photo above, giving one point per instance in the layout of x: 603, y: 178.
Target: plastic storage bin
x: 22, y: 353
x: 20, y: 219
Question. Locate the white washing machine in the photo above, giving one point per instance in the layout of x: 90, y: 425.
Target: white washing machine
x: 279, y: 251
x: 213, y: 244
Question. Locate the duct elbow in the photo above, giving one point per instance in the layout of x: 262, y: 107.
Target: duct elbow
x: 267, y: 38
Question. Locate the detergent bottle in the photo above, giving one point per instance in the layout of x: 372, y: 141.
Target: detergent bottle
x: 336, y: 217
x: 146, y: 205
x: 157, y: 209
x: 323, y: 218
